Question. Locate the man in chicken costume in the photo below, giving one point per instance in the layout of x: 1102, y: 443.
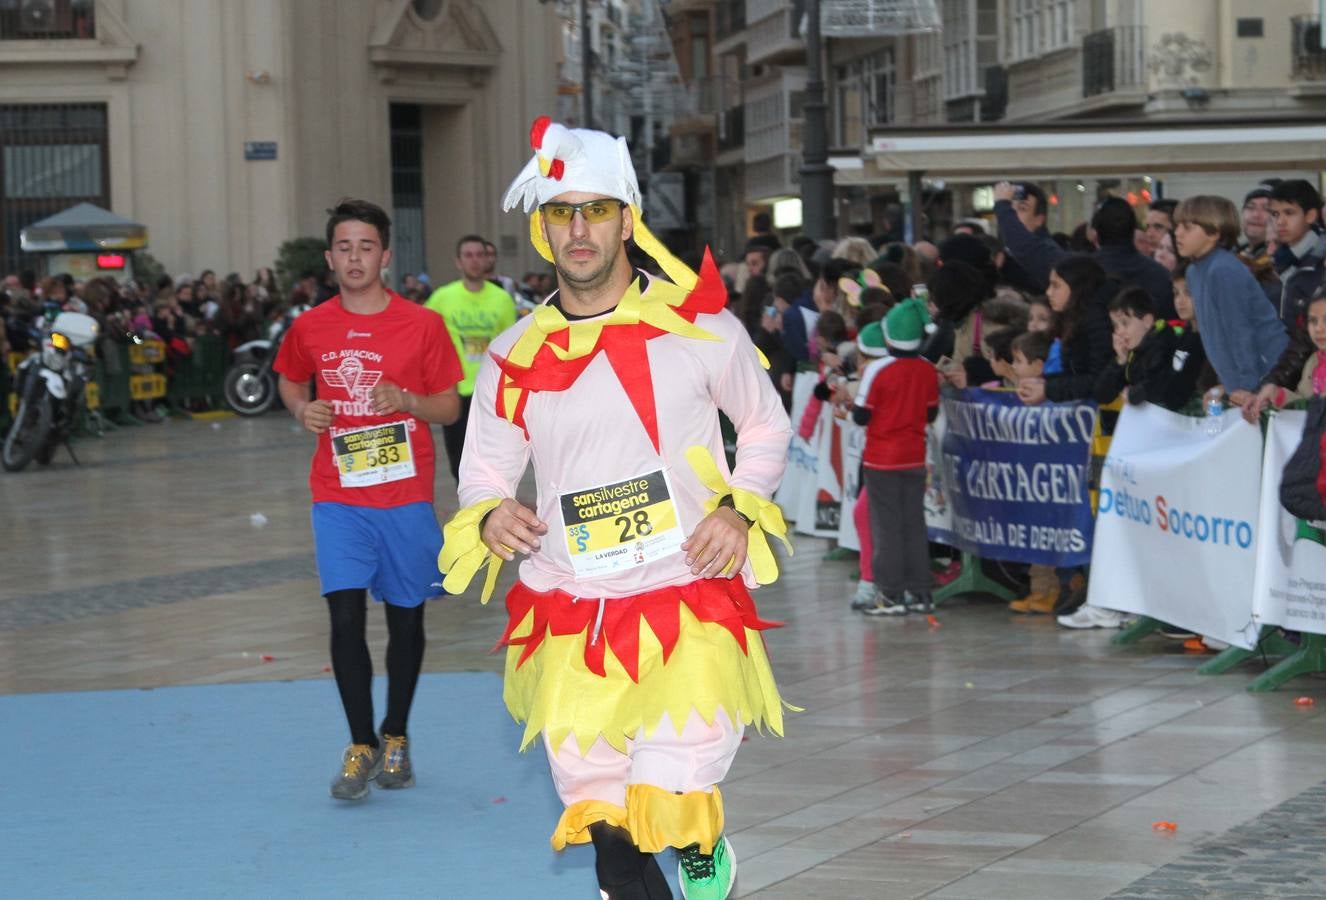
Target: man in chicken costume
x: 634, y: 650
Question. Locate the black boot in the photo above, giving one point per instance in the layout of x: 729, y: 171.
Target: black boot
x: 624, y: 872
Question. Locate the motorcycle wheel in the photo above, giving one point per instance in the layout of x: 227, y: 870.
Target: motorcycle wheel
x: 46, y: 453
x: 28, y: 434
x: 249, y: 389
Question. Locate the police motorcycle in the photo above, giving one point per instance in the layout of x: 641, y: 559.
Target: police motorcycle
x: 250, y: 385
x: 50, y: 386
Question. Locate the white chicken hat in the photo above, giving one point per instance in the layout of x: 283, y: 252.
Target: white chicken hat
x: 576, y: 159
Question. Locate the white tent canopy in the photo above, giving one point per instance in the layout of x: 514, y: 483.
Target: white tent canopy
x: 987, y: 153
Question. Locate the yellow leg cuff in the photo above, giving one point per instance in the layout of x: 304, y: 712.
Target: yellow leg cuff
x: 573, y: 826
x: 658, y: 819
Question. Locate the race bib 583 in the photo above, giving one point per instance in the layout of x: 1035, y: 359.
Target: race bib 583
x: 375, y: 454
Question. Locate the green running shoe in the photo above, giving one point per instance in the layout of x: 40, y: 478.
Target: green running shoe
x: 707, y: 877
x: 360, y: 764
x: 396, y: 769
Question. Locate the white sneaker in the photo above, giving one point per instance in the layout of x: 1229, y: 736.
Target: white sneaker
x: 1092, y: 617
x: 864, y: 596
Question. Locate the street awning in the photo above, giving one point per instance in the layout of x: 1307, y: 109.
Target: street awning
x: 986, y: 153
x: 83, y: 228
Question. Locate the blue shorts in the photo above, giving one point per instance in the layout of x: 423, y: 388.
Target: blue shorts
x: 391, y: 552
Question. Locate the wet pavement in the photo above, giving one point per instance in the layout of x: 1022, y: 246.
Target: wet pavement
x: 992, y: 756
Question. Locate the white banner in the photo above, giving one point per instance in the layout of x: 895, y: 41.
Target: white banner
x: 1290, y: 586
x: 854, y: 444
x: 822, y: 495
x: 938, y: 513
x: 801, y: 458
x: 1175, y: 533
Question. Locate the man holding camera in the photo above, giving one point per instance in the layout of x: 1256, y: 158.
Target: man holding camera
x: 1021, y: 210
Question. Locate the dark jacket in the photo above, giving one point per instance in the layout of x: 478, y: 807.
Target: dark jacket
x: 1132, y: 268
x: 1085, y: 355
x: 1307, y: 276
x: 1288, y: 369
x: 1036, y: 252
x: 939, y: 342
x: 1014, y: 275
x: 780, y: 361
x: 1263, y: 270
x: 1145, y: 376
x: 796, y: 342
x: 1302, y: 282
x: 1191, y: 373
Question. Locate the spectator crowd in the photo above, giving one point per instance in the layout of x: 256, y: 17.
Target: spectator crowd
x: 1187, y: 303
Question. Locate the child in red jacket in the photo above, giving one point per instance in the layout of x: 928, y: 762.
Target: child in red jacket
x: 902, y: 396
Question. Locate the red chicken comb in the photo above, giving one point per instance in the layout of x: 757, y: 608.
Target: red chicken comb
x: 537, y: 130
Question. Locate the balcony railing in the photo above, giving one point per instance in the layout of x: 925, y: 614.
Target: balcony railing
x: 51, y: 20
x: 778, y: 176
x: 1308, y: 57
x: 1114, y: 60
x: 776, y: 38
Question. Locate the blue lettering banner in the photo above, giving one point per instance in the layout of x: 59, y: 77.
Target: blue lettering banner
x: 1015, y: 478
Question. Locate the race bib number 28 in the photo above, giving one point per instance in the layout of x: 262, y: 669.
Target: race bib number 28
x: 376, y: 454
x: 618, y: 526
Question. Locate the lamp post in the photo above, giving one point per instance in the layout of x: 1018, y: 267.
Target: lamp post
x: 586, y: 66
x: 816, y: 173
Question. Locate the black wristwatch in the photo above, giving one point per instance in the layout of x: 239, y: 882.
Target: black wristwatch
x: 731, y: 504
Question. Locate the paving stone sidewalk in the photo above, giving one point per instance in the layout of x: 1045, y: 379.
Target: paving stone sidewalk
x: 66, y: 606
x: 1280, y: 854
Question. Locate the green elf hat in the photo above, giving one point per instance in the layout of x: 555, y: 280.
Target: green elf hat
x: 907, y: 324
x: 871, y: 340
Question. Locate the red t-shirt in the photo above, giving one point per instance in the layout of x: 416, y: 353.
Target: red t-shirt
x: 362, y: 459
x: 899, y: 398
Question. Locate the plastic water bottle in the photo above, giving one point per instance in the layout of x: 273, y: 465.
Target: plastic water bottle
x: 1214, y: 411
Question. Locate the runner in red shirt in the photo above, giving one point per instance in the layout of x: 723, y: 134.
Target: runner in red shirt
x: 385, y: 370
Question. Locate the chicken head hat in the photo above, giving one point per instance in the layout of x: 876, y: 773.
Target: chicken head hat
x: 583, y: 160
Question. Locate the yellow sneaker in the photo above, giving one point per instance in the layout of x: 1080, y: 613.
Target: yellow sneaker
x: 360, y: 764
x: 397, y: 772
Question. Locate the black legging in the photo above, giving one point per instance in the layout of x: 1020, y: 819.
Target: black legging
x: 453, y: 436
x: 353, y: 665
x: 624, y: 872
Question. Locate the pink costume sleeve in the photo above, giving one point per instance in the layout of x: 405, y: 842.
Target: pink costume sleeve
x: 747, y: 397
x: 496, y: 452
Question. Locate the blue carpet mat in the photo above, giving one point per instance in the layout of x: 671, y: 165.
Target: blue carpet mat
x: 222, y: 792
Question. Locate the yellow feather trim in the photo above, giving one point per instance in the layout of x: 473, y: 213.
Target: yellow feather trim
x: 536, y: 235
x: 766, y: 515
x: 659, y: 819
x: 675, y: 269
x: 464, y: 552
x: 573, y: 826
x: 554, y: 691
x: 652, y: 308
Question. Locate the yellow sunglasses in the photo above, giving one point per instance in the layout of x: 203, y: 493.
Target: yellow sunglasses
x: 594, y: 211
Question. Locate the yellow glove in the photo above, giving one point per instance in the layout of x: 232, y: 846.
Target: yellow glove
x: 766, y: 515
x: 463, y: 550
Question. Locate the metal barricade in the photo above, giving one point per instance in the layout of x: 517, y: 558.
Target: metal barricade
x: 200, y: 377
